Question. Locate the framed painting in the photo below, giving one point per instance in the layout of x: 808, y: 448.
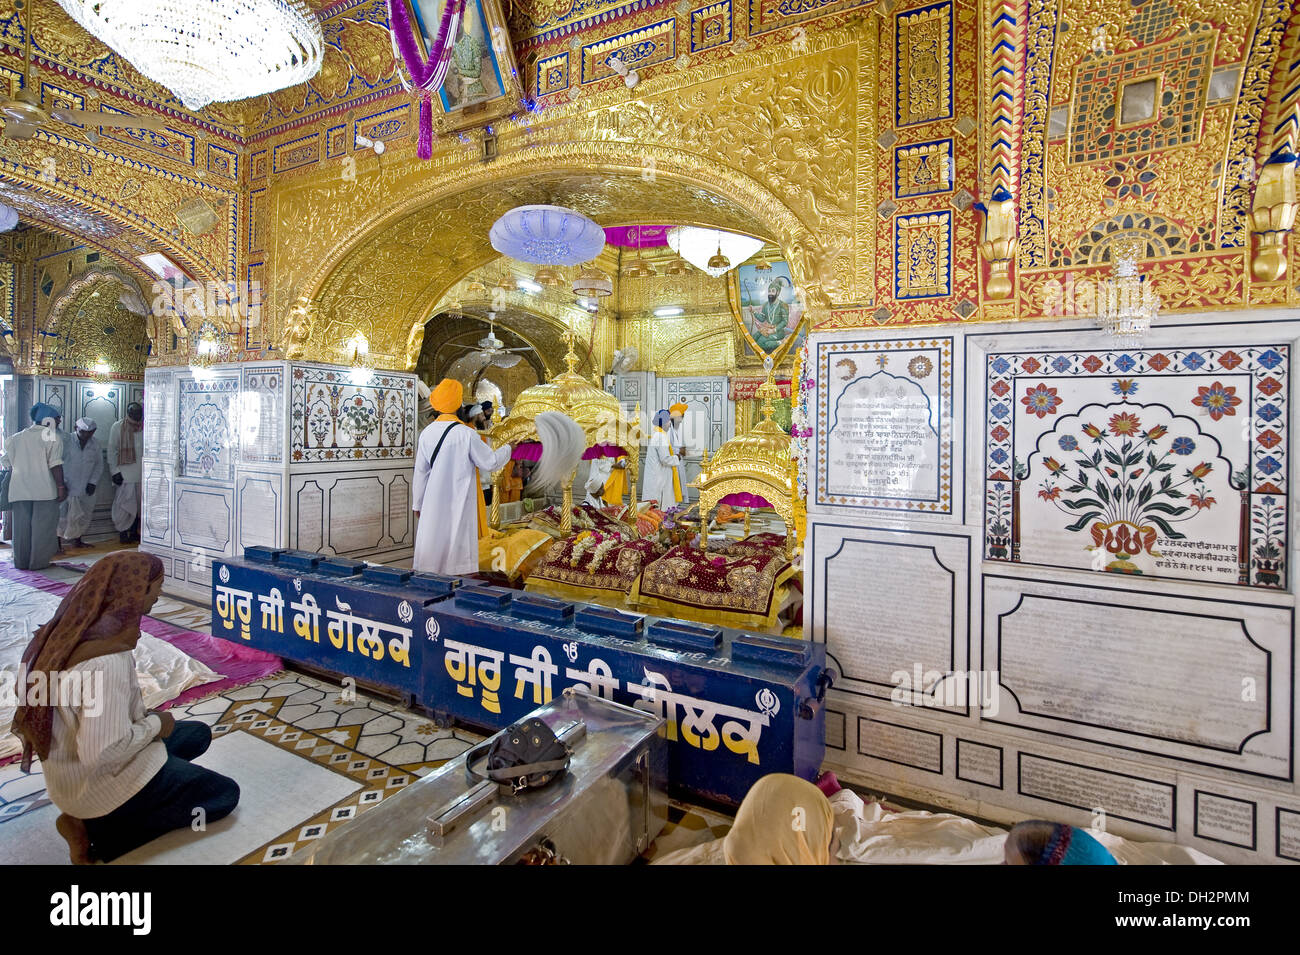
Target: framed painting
x: 769, y: 310
x: 482, y: 82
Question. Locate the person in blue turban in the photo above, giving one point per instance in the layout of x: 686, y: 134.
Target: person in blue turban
x: 663, y: 482
x: 1036, y: 842
x: 34, y: 460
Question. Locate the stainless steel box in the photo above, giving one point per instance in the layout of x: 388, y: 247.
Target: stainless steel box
x: 605, y: 810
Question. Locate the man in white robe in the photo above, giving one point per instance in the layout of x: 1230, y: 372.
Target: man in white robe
x: 83, y: 467
x: 448, y: 501
x: 125, y: 454
x: 663, y: 479
x: 597, y: 476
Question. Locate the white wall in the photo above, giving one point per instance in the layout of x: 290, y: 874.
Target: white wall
x: 1162, y: 701
x: 279, y: 454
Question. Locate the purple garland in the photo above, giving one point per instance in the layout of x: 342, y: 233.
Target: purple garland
x: 426, y: 75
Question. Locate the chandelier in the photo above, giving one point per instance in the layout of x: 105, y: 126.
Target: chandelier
x: 547, y: 235
x: 208, y: 51
x: 1127, y: 302
x: 712, y: 250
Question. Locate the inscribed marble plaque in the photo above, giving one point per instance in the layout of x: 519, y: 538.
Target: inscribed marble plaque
x: 892, y: 603
x: 1168, y: 676
x: 1164, y: 463
x: 1288, y: 834
x: 1096, y: 791
x: 259, y: 512
x: 1225, y: 819
x: 977, y: 763
x: 203, y: 519
x: 918, y: 749
x: 884, y: 425
x: 356, y: 514
x: 310, y: 523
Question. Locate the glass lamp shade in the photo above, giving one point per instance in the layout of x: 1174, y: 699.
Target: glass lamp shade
x: 8, y: 218
x: 639, y: 268
x: 593, y: 283
x: 208, y: 51
x: 712, y: 250
x: 548, y: 277
x: 547, y: 235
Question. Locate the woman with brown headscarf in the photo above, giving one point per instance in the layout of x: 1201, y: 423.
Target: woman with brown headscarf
x: 121, y: 774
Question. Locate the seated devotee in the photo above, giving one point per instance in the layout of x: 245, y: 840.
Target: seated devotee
x: 34, y: 458
x: 783, y: 820
x: 447, y: 490
x: 1035, y: 842
x: 120, y: 774
x: 125, y: 454
x: 83, y: 466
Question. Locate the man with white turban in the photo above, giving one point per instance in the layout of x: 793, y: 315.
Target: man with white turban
x: 83, y: 468
x: 125, y: 451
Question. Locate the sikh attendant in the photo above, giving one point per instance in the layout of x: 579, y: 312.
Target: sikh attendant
x: 663, y: 479
x: 447, y: 499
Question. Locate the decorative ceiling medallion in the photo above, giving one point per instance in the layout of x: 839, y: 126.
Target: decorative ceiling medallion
x: 196, y: 216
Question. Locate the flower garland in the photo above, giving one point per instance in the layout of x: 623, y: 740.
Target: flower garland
x: 602, y: 549
x: 800, y: 421
x: 426, y: 75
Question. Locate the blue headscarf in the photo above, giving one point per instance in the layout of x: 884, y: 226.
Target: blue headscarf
x: 41, y: 411
x: 662, y: 419
x: 1071, y: 846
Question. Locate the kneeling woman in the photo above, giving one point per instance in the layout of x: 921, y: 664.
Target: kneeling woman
x: 121, y: 774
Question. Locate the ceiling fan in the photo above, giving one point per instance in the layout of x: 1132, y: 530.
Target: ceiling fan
x: 24, y: 115
x: 490, y: 352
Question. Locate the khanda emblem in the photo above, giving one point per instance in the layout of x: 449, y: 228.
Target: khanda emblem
x: 431, y: 628
x: 767, y: 702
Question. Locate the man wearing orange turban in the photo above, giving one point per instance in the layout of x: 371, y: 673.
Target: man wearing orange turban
x: 447, y: 461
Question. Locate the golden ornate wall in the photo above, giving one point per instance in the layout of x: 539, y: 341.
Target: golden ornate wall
x: 858, y: 137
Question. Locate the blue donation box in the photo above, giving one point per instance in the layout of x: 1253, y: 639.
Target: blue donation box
x: 737, y: 706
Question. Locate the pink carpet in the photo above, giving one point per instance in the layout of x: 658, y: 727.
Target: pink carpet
x: 237, y: 664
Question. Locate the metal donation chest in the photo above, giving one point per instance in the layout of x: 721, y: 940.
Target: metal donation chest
x: 604, y: 810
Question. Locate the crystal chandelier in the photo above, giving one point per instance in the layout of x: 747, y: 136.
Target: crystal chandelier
x: 1127, y: 302
x: 208, y: 51
x: 712, y: 250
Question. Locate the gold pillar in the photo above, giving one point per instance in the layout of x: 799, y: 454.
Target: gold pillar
x: 998, y: 241
x: 1273, y: 215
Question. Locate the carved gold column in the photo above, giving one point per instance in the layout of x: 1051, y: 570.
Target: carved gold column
x: 566, y: 518
x: 634, y: 458
x: 998, y: 241
x: 1273, y: 215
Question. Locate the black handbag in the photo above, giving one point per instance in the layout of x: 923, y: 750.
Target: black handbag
x: 525, y: 755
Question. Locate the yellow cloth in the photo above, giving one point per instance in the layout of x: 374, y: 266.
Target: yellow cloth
x: 616, y: 486
x: 783, y: 820
x: 447, y: 397
x: 677, y: 480
x: 506, y: 552
x: 482, y: 505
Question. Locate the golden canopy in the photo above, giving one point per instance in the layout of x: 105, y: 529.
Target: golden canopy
x: 597, y: 412
x: 757, y: 463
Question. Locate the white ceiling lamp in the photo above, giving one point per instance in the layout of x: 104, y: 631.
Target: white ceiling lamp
x: 712, y: 250
x: 8, y: 217
x: 208, y: 51
x: 547, y: 235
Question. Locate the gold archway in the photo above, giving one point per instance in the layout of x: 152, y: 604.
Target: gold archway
x: 375, y: 290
